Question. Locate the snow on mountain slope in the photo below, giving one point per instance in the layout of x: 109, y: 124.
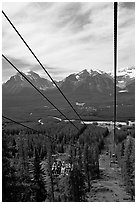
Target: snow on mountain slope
x: 124, y: 76
x: 17, y: 82
x: 92, y: 81
x: 128, y: 71
x: 86, y: 80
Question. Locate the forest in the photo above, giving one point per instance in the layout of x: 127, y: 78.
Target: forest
x: 58, y: 163
x: 28, y: 159
x: 125, y: 151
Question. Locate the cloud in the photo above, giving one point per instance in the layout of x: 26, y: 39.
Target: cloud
x: 126, y: 33
x: 73, y: 15
x: 127, y: 5
x: 67, y: 37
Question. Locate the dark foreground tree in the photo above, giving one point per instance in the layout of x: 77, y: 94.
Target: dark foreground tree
x: 77, y: 184
x: 129, y: 166
x: 38, y: 185
x: 9, y: 188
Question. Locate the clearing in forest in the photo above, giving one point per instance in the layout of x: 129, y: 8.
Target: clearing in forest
x: 110, y: 187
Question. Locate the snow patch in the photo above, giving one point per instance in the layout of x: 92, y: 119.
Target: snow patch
x: 57, y: 118
x: 99, y: 71
x: 94, y: 74
x: 43, y: 88
x: 77, y: 76
x: 80, y: 104
x: 15, y: 78
x: 21, y: 77
x: 123, y: 91
x: 121, y: 81
x: 125, y: 72
x: 31, y: 77
x: 82, y: 72
x: 27, y: 73
x: 40, y: 122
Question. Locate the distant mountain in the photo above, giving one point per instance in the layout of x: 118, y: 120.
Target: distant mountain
x: 131, y: 86
x: 88, y: 82
x: 93, y: 82
x: 127, y: 72
x: 124, y: 76
x: 16, y: 83
x: 94, y: 88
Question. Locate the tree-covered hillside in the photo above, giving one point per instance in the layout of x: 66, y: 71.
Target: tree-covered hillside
x: 56, y: 164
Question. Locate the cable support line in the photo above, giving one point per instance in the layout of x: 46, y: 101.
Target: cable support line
x: 38, y: 90
x: 7, y: 118
x: 19, y: 123
x: 33, y: 130
x: 42, y: 65
x: 115, y: 65
x: 25, y: 126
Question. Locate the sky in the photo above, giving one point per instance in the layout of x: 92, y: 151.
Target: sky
x: 67, y: 37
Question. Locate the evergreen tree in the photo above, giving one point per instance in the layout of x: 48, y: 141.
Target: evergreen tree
x: 86, y: 165
x: 47, y: 169
x: 76, y: 185
x: 129, y: 159
x: 37, y: 177
x: 8, y: 173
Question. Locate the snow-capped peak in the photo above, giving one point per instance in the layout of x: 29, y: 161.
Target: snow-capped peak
x: 18, y: 76
x: 28, y: 72
x: 32, y: 75
x: 128, y: 71
x: 100, y: 71
x: 77, y: 77
x: 17, y: 82
x: 84, y: 73
x: 124, y: 75
x: 88, y: 72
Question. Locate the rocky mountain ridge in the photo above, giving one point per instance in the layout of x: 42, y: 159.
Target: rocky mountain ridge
x: 93, y: 80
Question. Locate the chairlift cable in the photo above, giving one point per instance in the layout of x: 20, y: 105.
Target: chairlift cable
x: 41, y: 65
x: 37, y: 89
x: 115, y: 69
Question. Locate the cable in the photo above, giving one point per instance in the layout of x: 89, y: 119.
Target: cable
x: 19, y: 123
x: 115, y: 68
x: 42, y: 65
x: 37, y: 89
x: 53, y: 140
x: 26, y: 127
x: 33, y: 130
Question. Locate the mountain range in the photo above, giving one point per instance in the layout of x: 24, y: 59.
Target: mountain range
x: 16, y: 83
x: 94, y: 89
x: 84, y: 81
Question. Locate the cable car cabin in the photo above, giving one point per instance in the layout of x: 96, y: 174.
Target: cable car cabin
x: 61, y: 167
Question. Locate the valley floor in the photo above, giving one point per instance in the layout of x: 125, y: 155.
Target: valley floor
x: 110, y: 187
